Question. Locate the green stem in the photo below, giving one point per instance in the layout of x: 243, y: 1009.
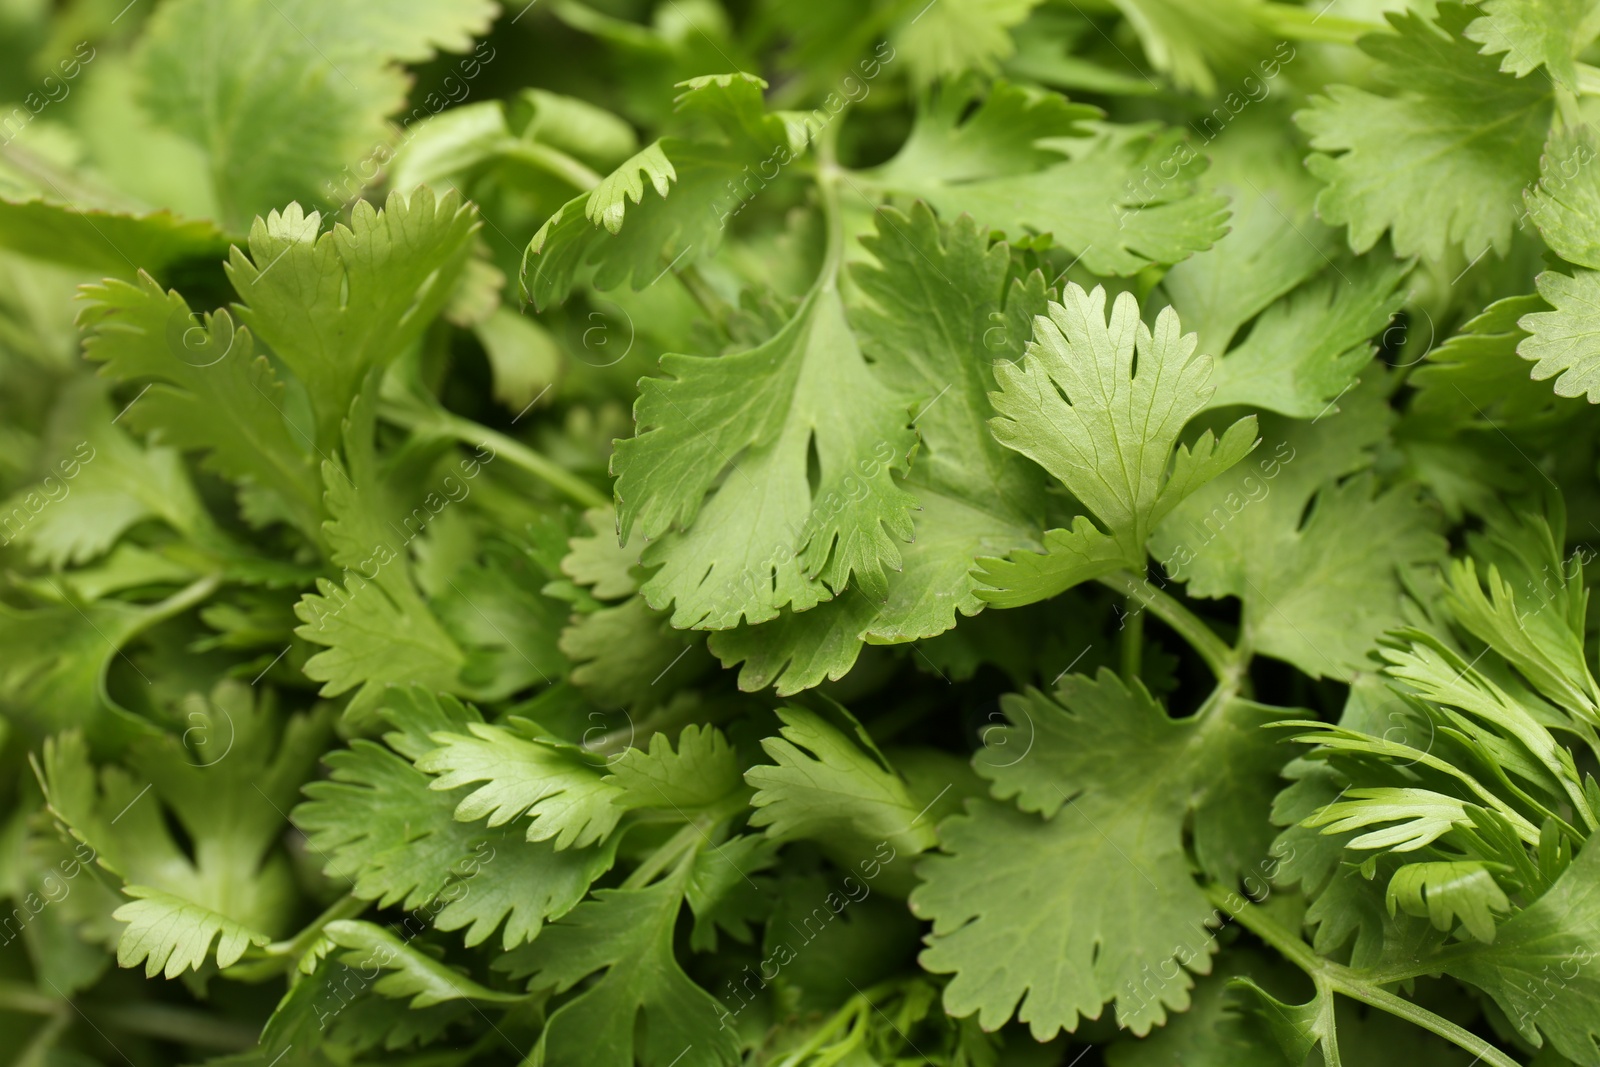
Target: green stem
x: 1341, y: 979
x: 676, y: 846
x: 346, y: 907
x: 1226, y: 663
x: 23, y: 998
x: 1131, y: 640
x: 520, y: 455
x: 1308, y: 24
x: 828, y: 177
x: 177, y: 1025
x: 554, y: 162
x: 715, y: 308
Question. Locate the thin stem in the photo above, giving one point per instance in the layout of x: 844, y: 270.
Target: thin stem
x: 178, y: 1025
x: 1404, y: 1009
x: 715, y: 308
x: 520, y: 455
x: 346, y: 907
x: 1131, y: 641
x: 677, y: 845
x: 1343, y: 980
x: 552, y: 161
x: 1307, y: 24
x: 1226, y: 663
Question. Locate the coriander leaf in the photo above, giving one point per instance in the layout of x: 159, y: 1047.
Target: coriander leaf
x: 1101, y: 200
x: 102, y: 485
x: 55, y: 676
x: 377, y: 628
x: 1448, y: 120
x: 936, y: 314
x: 723, y: 894
x: 1213, y: 1032
x: 117, y: 243
x: 620, y: 653
x: 1448, y: 892
x: 1305, y: 350
x: 1565, y: 343
x: 1314, y: 593
x: 643, y: 1009
x: 236, y: 887
x: 1013, y: 129
x: 598, y: 561
x: 764, y: 538
x: 1274, y: 242
x: 1188, y: 42
x: 213, y: 391
x: 1543, y: 969
x: 333, y: 307
x: 378, y: 825
x: 301, y: 91
x: 1532, y: 33
x: 1420, y: 816
x: 727, y: 131
x: 561, y: 789
x: 521, y: 884
x: 1079, y: 409
x: 825, y: 788
x: 1118, y: 898
x: 702, y: 771
x: 170, y: 935
x: 1565, y: 204
x: 954, y: 36
x: 1299, y: 1029
x: 1475, y: 376
x: 412, y: 973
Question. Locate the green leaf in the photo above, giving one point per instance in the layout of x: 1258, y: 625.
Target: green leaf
x: 102, y: 485
x: 118, y: 243
x: 702, y: 771
x: 411, y: 972
x: 1543, y: 969
x: 1565, y: 205
x: 1100, y: 200
x: 1189, y: 44
x: 1448, y: 120
x: 643, y: 1009
x: 763, y: 538
x: 236, y: 888
x: 1071, y: 409
x: 1274, y: 243
x: 825, y: 788
x: 955, y: 36
x: 1299, y: 1029
x: 376, y: 824
x: 333, y: 307
x: 1475, y: 375
x: 1314, y: 592
x: 301, y: 94
x: 1079, y: 898
x: 620, y: 653
x: 212, y: 391
x: 1446, y: 893
x: 1420, y: 817
x: 1565, y: 343
x: 560, y: 788
x: 170, y: 935
x: 1534, y: 33
x: 727, y: 132
x: 1305, y: 350
x: 935, y: 315
x: 1213, y: 1032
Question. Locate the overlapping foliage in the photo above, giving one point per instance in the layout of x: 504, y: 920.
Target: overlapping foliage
x: 987, y: 532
